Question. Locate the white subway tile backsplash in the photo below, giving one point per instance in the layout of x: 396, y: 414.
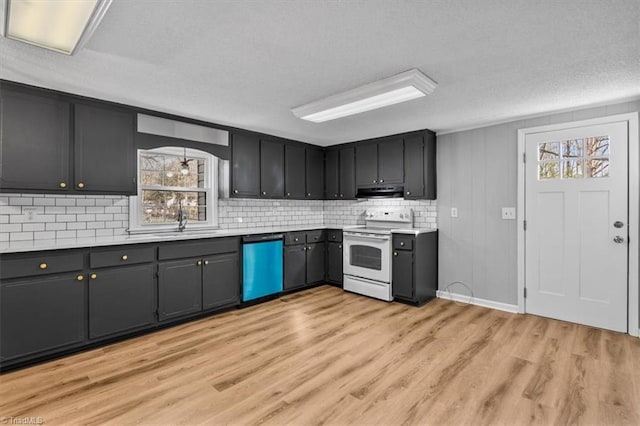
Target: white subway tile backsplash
x: 65, y: 202
x: 65, y: 234
x: 65, y: 218
x: 16, y: 201
x: 33, y: 227
x: 48, y: 235
x: 86, y: 233
x: 44, y: 202
x: 55, y: 210
x: 20, y: 236
x: 56, y: 226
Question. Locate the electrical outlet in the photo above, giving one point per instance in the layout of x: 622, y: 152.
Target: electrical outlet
x: 30, y: 213
x: 454, y: 212
x: 239, y: 219
x: 509, y: 213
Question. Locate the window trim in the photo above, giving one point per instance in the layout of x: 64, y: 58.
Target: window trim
x: 211, y: 188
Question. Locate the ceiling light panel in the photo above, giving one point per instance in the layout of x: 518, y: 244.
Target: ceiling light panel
x: 402, y: 87
x: 60, y: 25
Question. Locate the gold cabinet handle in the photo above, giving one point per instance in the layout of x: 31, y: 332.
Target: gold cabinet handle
x: 80, y: 185
x: 199, y: 262
x: 93, y: 276
x: 43, y: 266
x: 63, y: 185
x: 206, y: 262
x: 125, y: 257
x: 80, y: 278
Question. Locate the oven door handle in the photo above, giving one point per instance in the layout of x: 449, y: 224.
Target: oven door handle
x: 367, y: 236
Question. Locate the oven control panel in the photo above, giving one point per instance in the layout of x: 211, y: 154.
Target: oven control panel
x: 389, y: 215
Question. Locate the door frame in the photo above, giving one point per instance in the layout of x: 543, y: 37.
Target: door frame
x: 634, y: 208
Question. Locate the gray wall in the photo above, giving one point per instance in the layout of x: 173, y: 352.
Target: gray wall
x: 477, y: 173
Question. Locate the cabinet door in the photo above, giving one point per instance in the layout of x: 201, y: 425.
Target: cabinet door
x: 315, y: 174
x: 294, y: 172
x: 294, y: 266
x: 390, y: 159
x: 332, y: 172
x: 245, y: 165
x: 179, y: 288
x: 414, y: 167
x: 430, y: 166
x: 334, y: 262
x: 121, y: 299
x: 271, y: 169
x: 348, y: 173
x: 402, y: 274
x: 220, y: 280
x: 367, y: 164
x: 104, y: 150
x: 315, y: 263
x: 41, y: 314
x: 34, y: 152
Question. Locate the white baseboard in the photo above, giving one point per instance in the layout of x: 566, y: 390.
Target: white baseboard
x: 478, y: 302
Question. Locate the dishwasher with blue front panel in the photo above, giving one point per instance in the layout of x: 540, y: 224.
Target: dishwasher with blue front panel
x: 262, y: 266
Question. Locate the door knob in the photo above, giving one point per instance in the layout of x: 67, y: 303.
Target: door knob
x: 618, y: 239
x: 618, y: 224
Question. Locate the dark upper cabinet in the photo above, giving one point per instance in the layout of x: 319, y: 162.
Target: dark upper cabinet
x: 315, y: 173
x: 414, y: 167
x: 179, y: 288
x: 220, y: 280
x: 294, y: 172
x: 332, y: 174
x: 347, y: 174
x: 430, y: 176
x: 245, y: 165
x: 271, y: 169
x: 41, y: 314
x: 104, y: 149
x: 390, y: 161
x: 367, y: 164
x: 295, y: 266
x: 35, y: 141
x: 121, y: 299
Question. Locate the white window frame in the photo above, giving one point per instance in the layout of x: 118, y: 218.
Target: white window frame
x: 211, y: 188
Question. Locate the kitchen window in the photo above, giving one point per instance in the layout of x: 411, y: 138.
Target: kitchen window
x: 171, y: 180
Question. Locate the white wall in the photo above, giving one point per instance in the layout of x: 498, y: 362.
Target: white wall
x: 477, y: 173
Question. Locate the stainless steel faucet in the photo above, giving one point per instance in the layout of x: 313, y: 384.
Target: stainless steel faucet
x: 182, y: 218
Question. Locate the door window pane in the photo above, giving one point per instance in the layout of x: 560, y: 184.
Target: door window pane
x: 549, y: 151
x: 366, y: 257
x: 572, y: 169
x: 598, y: 168
x: 549, y: 170
x: 576, y: 158
x: 598, y: 146
x: 573, y: 148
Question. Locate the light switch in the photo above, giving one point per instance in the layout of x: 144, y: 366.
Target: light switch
x: 509, y: 213
x: 454, y: 212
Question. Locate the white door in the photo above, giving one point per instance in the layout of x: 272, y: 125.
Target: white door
x: 576, y: 205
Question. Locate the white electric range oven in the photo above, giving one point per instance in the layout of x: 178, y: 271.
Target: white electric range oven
x: 367, y: 252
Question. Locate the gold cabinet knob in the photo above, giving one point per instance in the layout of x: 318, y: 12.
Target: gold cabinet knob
x: 199, y: 262
x: 93, y: 276
x: 235, y: 191
x: 395, y: 253
x: 401, y: 243
x: 80, y: 185
x: 125, y: 257
x: 43, y: 266
x: 308, y: 194
x: 80, y: 278
x: 206, y: 262
x: 63, y: 185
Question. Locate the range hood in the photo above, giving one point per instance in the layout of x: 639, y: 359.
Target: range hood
x: 387, y: 191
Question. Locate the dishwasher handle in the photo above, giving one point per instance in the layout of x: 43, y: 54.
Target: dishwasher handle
x: 260, y: 238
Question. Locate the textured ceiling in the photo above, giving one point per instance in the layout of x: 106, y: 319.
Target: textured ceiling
x: 247, y: 63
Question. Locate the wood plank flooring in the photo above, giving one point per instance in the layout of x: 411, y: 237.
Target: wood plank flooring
x: 324, y: 356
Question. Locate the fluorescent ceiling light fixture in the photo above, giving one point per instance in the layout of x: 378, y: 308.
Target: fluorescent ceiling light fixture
x: 401, y: 87
x: 60, y: 25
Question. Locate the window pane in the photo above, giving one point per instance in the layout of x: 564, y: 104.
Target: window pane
x: 598, y: 168
x: 549, y: 151
x: 152, y: 162
x: 572, y: 169
x: 153, y: 206
x: 598, y: 146
x: 572, y: 148
x: 549, y: 170
x: 151, y: 178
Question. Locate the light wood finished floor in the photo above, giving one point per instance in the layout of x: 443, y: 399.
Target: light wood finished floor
x: 327, y: 357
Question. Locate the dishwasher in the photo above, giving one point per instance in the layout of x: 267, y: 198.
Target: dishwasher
x: 262, y: 264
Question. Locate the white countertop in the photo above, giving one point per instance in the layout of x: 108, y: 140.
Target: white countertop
x: 68, y: 243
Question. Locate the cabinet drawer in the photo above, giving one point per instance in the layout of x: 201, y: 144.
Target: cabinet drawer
x: 180, y: 249
x: 40, y: 264
x: 315, y: 236
x: 402, y: 242
x: 121, y: 256
x: 293, y: 238
x: 334, y: 235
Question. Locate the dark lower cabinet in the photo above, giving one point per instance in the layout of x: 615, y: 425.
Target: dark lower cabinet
x: 334, y: 262
x: 220, y: 280
x: 42, y: 314
x: 415, y: 267
x: 179, y: 288
x: 295, y: 264
x: 315, y: 262
x: 121, y: 299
